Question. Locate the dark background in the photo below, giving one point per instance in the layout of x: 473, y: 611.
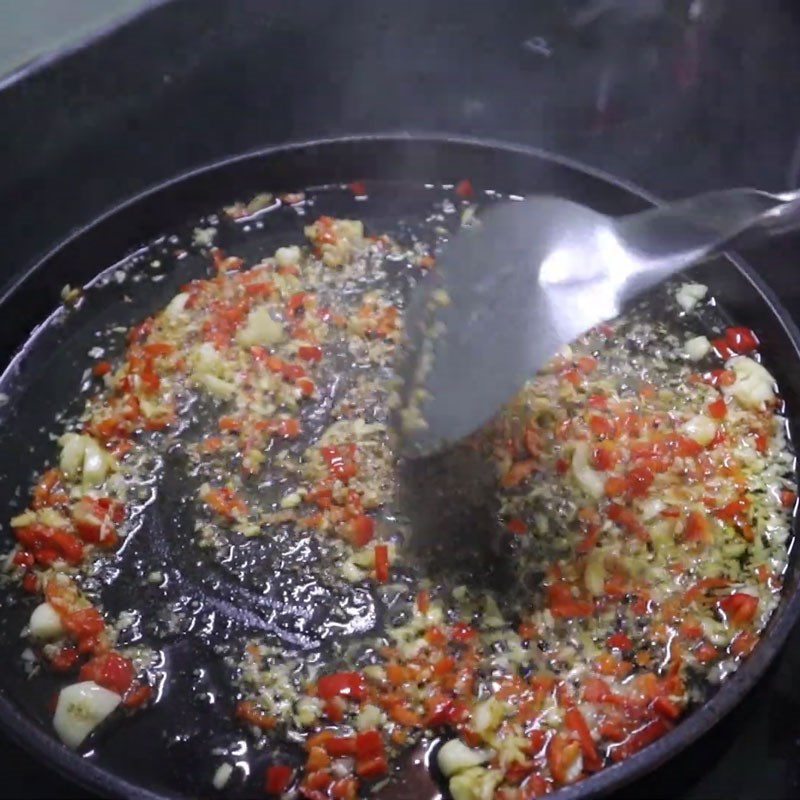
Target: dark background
x: 676, y: 96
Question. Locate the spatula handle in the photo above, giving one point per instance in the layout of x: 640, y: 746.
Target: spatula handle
x: 673, y: 236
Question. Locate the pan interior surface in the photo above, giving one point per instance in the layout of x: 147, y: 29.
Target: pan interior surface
x: 195, y: 606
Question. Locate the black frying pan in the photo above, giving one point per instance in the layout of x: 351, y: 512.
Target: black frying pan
x: 147, y: 756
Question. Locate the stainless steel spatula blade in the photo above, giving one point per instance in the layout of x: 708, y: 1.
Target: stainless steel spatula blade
x: 531, y: 276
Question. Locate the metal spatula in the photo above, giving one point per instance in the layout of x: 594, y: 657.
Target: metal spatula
x: 531, y: 276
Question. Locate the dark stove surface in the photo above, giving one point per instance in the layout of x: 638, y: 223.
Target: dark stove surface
x: 677, y: 96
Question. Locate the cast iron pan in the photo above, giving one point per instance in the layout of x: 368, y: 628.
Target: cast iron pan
x: 168, y: 750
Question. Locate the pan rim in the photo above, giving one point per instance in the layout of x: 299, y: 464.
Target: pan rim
x: 44, y: 745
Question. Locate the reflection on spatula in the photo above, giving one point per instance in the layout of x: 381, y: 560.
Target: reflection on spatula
x: 533, y: 275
